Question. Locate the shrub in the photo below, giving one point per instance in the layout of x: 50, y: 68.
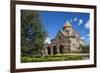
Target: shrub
x: 50, y: 58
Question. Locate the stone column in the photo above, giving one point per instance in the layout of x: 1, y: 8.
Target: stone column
x: 58, y: 49
x: 51, y: 50
x: 46, y: 51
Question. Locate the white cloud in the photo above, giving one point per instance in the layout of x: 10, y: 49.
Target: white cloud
x: 48, y: 41
x: 83, y: 38
x: 88, y: 35
x: 75, y: 19
x: 87, y: 25
x: 80, y: 21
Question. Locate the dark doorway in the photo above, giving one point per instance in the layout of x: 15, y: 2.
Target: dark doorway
x: 49, y: 49
x: 54, y: 50
x: 61, y: 49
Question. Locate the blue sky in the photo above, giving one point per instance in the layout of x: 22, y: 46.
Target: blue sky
x: 53, y: 21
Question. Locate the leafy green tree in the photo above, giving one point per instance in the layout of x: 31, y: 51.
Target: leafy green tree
x: 33, y: 33
x: 84, y: 49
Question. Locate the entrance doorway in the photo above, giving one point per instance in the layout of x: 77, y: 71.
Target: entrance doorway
x: 54, y: 50
x: 61, y: 49
x: 49, y: 50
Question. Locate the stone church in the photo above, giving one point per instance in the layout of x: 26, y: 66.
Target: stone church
x: 67, y: 40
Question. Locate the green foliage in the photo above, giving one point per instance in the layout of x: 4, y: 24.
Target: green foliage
x: 51, y: 58
x: 84, y: 49
x: 33, y: 33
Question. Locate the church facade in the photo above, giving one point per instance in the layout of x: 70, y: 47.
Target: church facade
x: 67, y: 40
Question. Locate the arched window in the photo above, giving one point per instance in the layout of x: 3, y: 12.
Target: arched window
x: 67, y: 31
x: 59, y: 37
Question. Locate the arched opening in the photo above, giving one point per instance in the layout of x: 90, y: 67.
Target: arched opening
x: 49, y: 49
x: 54, y: 50
x: 61, y: 49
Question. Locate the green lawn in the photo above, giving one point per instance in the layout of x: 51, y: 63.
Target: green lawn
x: 59, y: 57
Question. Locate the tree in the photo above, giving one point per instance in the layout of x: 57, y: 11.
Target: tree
x: 33, y: 33
x: 84, y: 49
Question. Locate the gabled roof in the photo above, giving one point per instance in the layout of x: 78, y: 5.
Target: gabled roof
x: 64, y: 33
x: 61, y: 32
x: 67, y: 24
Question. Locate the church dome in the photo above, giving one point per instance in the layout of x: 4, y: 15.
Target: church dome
x: 67, y: 24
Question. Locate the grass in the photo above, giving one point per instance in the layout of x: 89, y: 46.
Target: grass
x: 48, y: 58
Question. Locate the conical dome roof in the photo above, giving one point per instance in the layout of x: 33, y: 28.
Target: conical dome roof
x: 67, y: 24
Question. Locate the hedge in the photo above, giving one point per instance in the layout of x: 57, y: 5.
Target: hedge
x: 50, y: 58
